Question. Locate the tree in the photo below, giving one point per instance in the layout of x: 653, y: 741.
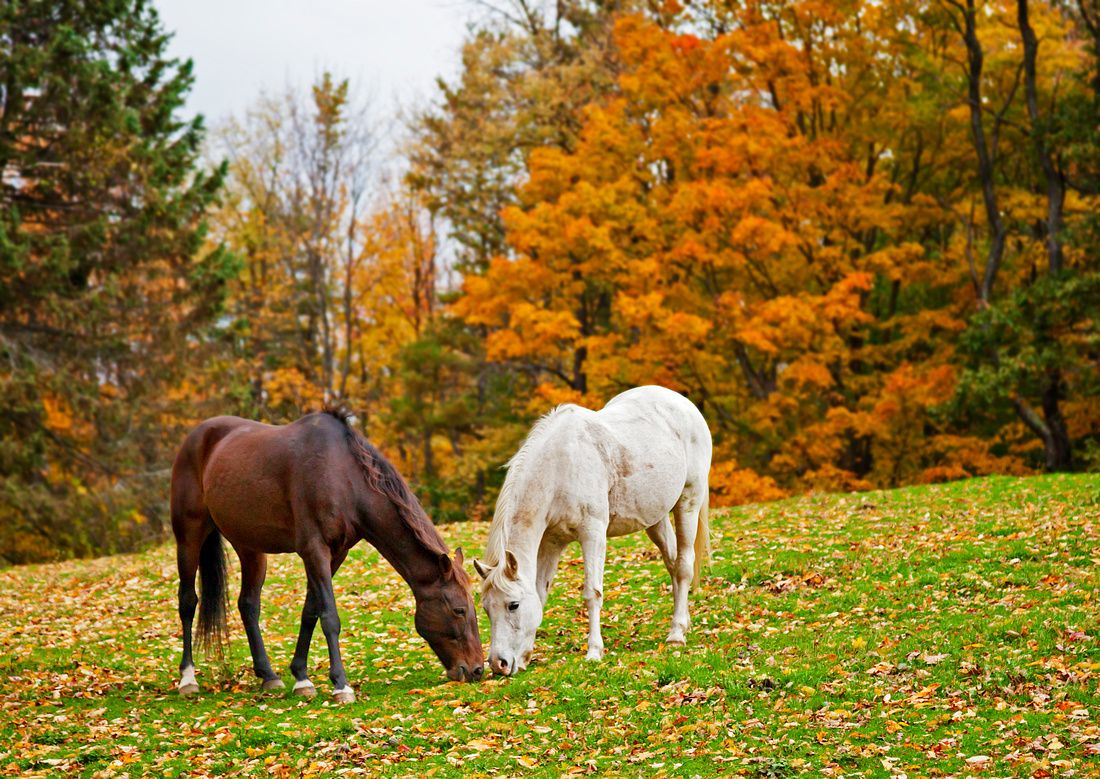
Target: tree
x: 718, y: 227
x: 1025, y: 343
x: 300, y: 173
x: 104, y: 274
x: 528, y: 71
x: 418, y: 378
x: 339, y: 299
x: 772, y: 212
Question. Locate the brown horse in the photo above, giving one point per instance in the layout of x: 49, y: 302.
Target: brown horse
x: 315, y: 487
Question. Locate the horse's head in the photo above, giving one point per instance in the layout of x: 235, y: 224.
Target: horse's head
x: 446, y: 619
x: 515, y: 613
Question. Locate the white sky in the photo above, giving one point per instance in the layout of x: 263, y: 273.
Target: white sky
x: 390, y: 50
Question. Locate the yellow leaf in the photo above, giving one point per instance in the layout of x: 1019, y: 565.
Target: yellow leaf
x: 59, y: 415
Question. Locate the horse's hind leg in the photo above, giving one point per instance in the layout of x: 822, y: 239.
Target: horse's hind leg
x: 686, y: 513
x: 253, y: 573
x: 664, y: 538
x: 187, y: 561
x: 190, y: 525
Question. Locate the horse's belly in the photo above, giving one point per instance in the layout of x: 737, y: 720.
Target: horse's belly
x: 249, y: 519
x: 624, y: 526
x: 642, y: 500
x: 260, y: 531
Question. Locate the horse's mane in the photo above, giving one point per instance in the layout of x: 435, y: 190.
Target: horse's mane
x: 498, y: 530
x: 384, y: 478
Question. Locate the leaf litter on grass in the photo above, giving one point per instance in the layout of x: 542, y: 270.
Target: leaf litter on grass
x: 930, y: 631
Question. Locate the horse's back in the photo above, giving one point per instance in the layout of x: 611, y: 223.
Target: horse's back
x: 659, y: 446
x: 201, y: 442
x: 255, y: 478
x: 646, y: 416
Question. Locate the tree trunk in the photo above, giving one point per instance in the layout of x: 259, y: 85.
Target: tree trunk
x: 975, y: 60
x: 320, y: 287
x: 349, y: 311
x: 1089, y: 11
x: 1057, y: 444
x: 429, y: 463
x: 580, y: 378
x: 1052, y: 175
x: 1051, y: 427
x: 580, y: 354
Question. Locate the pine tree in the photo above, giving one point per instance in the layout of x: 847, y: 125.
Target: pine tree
x: 103, y: 269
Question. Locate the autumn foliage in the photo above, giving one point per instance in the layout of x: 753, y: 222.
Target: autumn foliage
x: 775, y: 212
x: 861, y: 236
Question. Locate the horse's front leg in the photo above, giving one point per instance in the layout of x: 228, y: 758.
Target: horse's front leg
x: 299, y: 666
x: 547, y: 565
x: 320, y: 566
x: 594, y: 548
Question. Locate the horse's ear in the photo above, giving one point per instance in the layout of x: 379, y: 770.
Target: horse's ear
x: 459, y: 558
x: 444, y: 564
x: 482, y: 571
x: 511, y: 565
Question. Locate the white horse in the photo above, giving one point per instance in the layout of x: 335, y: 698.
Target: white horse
x: 588, y: 475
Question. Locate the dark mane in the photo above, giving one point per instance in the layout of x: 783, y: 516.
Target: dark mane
x: 342, y: 413
x: 384, y: 478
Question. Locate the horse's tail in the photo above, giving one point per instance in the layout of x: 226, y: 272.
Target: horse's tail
x: 702, y: 537
x: 213, y: 601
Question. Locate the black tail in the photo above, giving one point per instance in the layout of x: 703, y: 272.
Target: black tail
x: 213, y: 600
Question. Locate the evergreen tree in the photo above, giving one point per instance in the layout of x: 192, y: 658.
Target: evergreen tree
x: 103, y: 270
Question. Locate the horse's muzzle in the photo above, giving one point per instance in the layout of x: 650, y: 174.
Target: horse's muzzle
x: 460, y: 673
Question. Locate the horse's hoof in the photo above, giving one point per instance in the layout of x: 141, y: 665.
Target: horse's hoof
x: 305, y: 689
x: 345, y: 695
x: 594, y: 654
x: 273, y: 684
x: 676, y: 641
x: 188, y: 690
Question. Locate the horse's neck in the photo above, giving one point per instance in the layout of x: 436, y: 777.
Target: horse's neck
x: 526, y: 527
x: 387, y: 532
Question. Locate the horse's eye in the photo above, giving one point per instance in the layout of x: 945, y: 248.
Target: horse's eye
x: 460, y: 611
x: 513, y: 605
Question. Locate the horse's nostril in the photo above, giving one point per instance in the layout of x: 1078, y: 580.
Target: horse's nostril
x: 476, y: 673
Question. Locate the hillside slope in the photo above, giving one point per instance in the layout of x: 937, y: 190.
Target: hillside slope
x: 924, y: 631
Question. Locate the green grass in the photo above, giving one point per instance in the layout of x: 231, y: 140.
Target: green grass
x: 929, y: 631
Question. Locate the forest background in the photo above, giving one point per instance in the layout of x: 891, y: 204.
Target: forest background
x: 862, y: 237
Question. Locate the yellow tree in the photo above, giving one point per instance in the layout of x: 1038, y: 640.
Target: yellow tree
x: 299, y: 167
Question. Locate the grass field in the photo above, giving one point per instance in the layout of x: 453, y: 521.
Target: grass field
x: 929, y: 631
